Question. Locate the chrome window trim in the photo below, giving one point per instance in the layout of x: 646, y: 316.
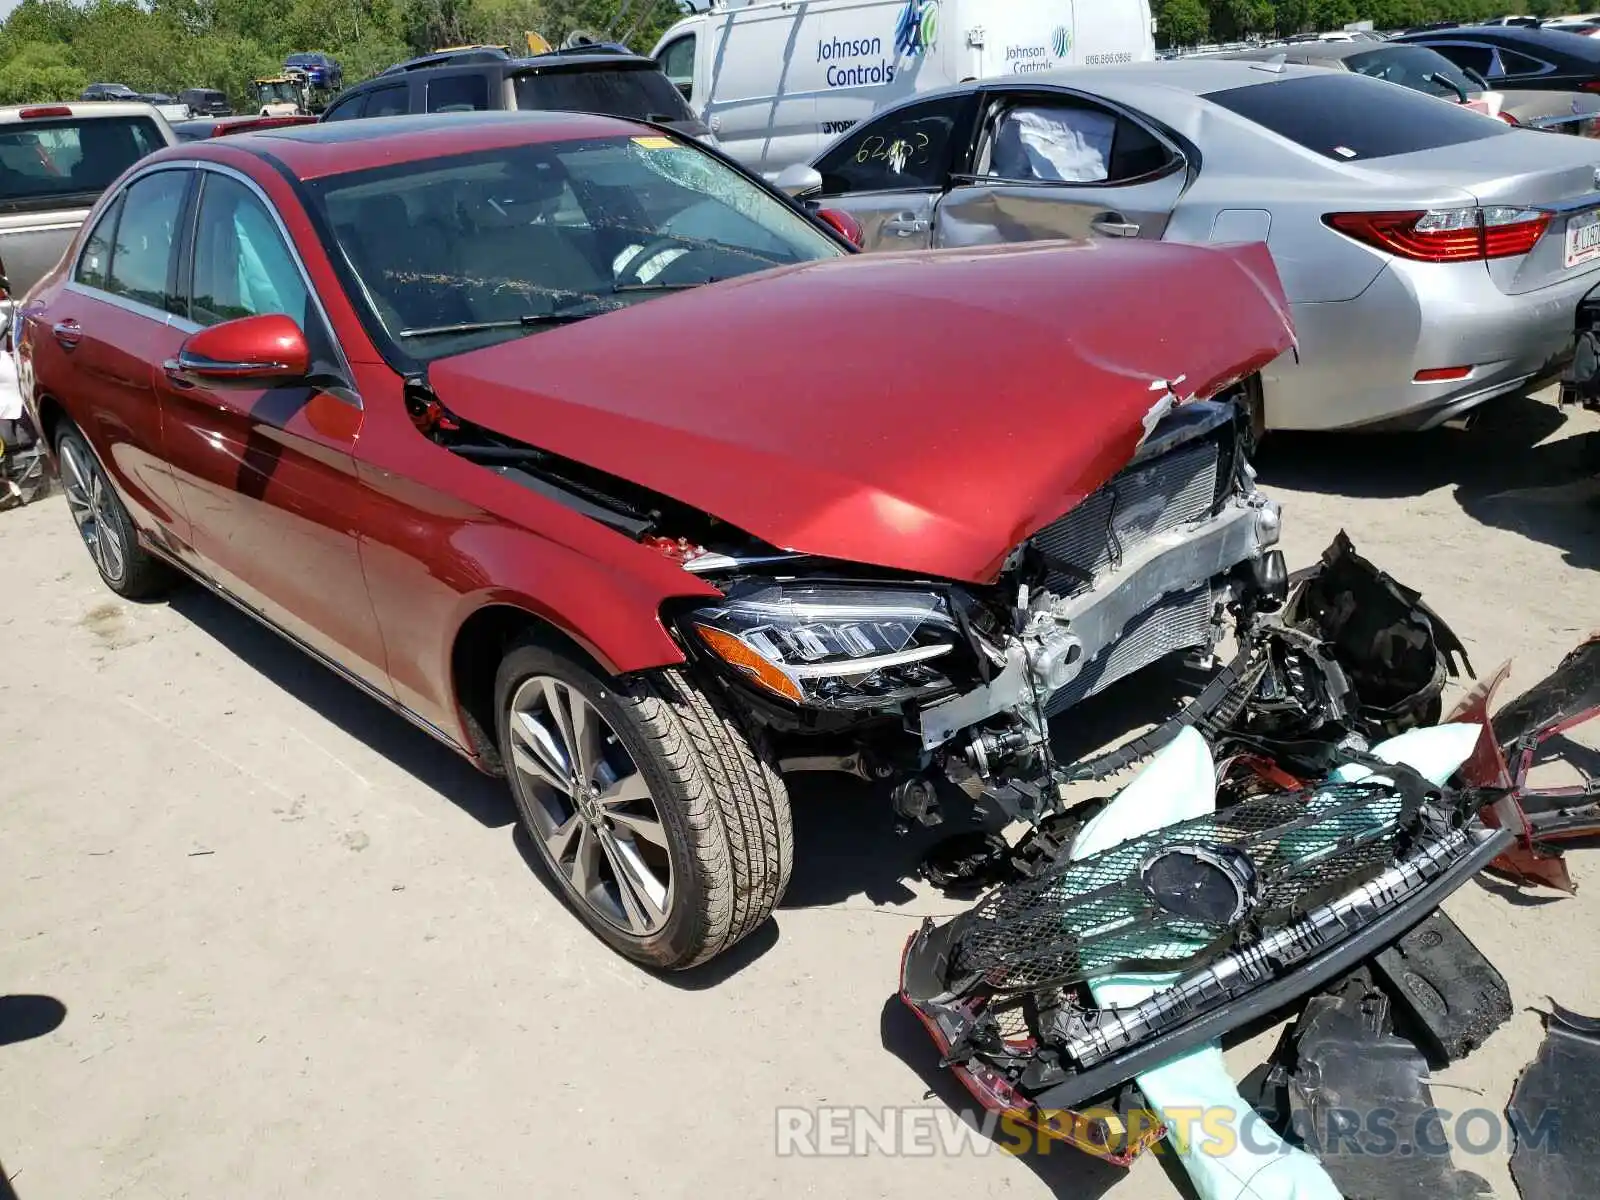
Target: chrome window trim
x: 138, y: 308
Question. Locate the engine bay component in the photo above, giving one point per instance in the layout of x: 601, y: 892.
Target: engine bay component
x: 916, y: 801
x: 1294, y: 693
x: 1395, y: 650
x: 967, y: 862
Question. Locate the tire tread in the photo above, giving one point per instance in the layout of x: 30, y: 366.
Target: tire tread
x: 735, y: 801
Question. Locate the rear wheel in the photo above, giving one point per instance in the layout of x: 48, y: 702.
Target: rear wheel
x: 107, y: 531
x: 661, y: 822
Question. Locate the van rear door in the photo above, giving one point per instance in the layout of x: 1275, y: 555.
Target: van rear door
x: 1025, y: 37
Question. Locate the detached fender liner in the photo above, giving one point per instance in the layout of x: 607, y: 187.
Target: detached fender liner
x: 1054, y: 1087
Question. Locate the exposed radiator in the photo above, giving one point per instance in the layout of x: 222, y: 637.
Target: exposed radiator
x: 1177, y: 623
x: 1139, y: 502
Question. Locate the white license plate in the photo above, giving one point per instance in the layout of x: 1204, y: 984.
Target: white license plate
x: 1583, y: 238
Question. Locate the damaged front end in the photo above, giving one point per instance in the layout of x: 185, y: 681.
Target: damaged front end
x: 1157, y: 560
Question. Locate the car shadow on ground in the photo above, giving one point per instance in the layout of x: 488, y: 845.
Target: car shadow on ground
x: 1525, y: 466
x: 847, y: 840
x: 484, y: 799
x: 23, y: 1018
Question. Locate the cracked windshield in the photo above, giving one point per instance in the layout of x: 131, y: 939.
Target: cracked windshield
x: 492, y: 245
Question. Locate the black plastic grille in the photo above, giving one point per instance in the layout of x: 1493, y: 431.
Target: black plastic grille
x: 1094, y: 916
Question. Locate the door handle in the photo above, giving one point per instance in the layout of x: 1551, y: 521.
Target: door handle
x: 69, y: 333
x: 173, y: 370
x: 906, y: 224
x: 1110, y: 224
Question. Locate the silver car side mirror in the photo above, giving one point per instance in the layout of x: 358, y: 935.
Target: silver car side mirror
x: 798, y: 180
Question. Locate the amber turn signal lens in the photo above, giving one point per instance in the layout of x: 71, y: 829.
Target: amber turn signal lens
x: 736, y: 654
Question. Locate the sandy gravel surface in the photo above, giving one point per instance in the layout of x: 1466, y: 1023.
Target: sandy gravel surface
x: 302, y: 953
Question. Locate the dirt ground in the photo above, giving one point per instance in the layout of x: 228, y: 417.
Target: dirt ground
x: 301, y: 951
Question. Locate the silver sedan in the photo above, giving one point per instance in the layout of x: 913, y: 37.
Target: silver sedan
x: 1434, y: 257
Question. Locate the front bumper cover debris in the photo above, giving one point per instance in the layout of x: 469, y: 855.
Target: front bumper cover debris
x: 1071, y: 1061
x: 1337, y: 1067
x: 1553, y: 1116
x: 1523, y: 734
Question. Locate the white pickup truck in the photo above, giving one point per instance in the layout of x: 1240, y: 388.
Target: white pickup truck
x: 55, y: 160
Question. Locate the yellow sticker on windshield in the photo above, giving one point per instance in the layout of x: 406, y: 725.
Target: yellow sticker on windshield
x: 655, y: 143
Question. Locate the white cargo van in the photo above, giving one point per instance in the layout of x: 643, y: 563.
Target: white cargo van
x: 776, y: 80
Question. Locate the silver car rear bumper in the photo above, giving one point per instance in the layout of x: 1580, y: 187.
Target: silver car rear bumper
x: 1358, y: 358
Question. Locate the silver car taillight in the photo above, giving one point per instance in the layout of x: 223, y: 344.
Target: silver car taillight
x: 1446, y: 234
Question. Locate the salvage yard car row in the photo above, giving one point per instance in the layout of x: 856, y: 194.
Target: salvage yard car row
x: 380, y: 384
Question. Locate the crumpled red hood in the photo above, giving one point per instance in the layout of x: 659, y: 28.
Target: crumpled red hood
x: 922, y: 411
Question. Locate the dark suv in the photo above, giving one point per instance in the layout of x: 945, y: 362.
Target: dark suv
x: 589, y: 79
x: 206, y: 102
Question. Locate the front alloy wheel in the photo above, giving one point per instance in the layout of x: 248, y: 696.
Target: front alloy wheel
x: 590, y: 806
x: 659, y: 817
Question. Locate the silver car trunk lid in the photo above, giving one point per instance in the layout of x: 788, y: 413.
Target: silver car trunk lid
x: 1524, y: 169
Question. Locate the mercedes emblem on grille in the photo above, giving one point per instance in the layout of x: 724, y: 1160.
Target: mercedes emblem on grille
x: 1215, y: 885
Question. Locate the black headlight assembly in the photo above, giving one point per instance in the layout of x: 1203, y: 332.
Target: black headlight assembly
x: 833, y: 646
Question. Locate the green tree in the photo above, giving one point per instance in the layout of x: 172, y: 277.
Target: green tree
x: 121, y: 42
x: 230, y: 64
x: 40, y: 71
x: 49, y: 22
x: 1182, y: 22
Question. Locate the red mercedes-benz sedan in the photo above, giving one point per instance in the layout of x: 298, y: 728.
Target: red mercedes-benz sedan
x: 613, y: 469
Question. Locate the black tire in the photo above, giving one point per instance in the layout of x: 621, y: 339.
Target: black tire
x: 132, y: 572
x: 721, y: 805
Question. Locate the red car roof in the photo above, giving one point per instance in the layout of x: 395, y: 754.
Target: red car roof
x: 316, y: 151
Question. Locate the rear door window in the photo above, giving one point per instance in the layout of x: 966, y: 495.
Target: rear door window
x: 146, y: 236
x: 642, y: 93
x: 1415, y: 67
x: 96, y: 256
x: 1476, y: 58
x: 348, y: 110
x: 387, y: 101
x: 1350, y: 118
x: 46, y: 162
x: 1051, y: 140
x: 1512, y: 63
x: 458, y: 93
x: 677, y: 63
